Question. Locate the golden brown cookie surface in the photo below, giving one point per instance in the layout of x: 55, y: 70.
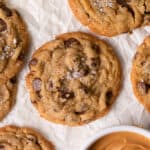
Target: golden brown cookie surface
x: 140, y: 74
x: 13, y: 42
x: 74, y: 79
x: 112, y: 17
x: 15, y: 138
x: 7, y: 97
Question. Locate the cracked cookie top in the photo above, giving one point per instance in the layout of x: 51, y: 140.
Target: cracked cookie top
x: 13, y: 42
x: 112, y: 17
x: 15, y: 138
x: 74, y: 79
x: 140, y: 74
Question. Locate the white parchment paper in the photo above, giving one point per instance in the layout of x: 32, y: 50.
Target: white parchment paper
x: 45, y: 19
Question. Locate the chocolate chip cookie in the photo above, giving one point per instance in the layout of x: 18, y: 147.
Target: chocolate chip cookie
x: 140, y: 74
x: 7, y: 96
x: 15, y: 138
x: 112, y: 17
x: 13, y: 42
x: 74, y: 79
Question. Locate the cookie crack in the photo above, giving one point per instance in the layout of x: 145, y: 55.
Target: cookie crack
x: 123, y: 3
x: 146, y: 12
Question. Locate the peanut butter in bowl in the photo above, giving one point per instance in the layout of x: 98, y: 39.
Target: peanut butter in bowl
x: 122, y: 141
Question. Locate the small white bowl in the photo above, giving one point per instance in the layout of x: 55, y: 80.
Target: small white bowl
x: 113, y: 130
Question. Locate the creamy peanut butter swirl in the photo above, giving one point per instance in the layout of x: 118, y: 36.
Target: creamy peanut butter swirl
x: 122, y: 141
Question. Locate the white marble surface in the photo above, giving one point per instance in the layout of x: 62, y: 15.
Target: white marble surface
x: 45, y: 19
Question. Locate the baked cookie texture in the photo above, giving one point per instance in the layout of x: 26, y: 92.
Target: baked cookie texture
x: 15, y: 138
x: 74, y: 79
x: 112, y: 17
x: 7, y: 96
x: 140, y: 74
x: 13, y: 42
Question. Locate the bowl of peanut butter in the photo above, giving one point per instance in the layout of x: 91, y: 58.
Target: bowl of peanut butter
x: 120, y: 138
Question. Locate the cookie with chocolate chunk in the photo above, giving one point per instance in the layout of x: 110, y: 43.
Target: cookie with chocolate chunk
x: 140, y: 74
x: 13, y: 42
x: 7, y: 96
x: 74, y: 79
x: 13, y: 138
x: 112, y: 17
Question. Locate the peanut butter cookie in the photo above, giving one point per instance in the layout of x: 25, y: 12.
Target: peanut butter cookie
x: 74, y: 79
x: 112, y: 17
x: 140, y: 74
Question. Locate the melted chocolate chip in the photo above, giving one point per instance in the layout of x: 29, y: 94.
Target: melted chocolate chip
x: 67, y: 95
x: 143, y: 63
x: 3, y: 25
x: 147, y: 12
x: 84, y: 71
x: 85, y: 89
x: 143, y: 87
x: 122, y: 2
x: 7, y: 11
x: 33, y: 101
x: 13, y: 80
x: 96, y: 48
x: 95, y: 63
x: 21, y: 56
x: 33, y: 62
x: 2, y: 147
x: 68, y: 43
x: 109, y: 96
x: 37, y: 84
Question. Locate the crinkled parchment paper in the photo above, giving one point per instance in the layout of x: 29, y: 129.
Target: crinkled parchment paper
x: 45, y: 19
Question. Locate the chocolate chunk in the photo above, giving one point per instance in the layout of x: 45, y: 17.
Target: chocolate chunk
x: 84, y: 70
x: 67, y: 95
x: 13, y: 80
x: 3, y: 25
x: 147, y: 12
x: 7, y: 11
x: 122, y: 2
x: 37, y: 84
x: 21, y: 56
x: 33, y: 62
x: 109, y: 96
x: 85, y: 89
x: 68, y: 43
x: 143, y: 87
x: 143, y: 63
x: 96, y: 48
x: 95, y: 63
x: 2, y: 147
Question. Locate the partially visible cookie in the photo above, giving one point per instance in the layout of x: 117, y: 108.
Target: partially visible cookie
x: 15, y: 138
x: 7, y: 96
x: 140, y: 74
x: 13, y: 42
x: 112, y: 17
x: 74, y: 79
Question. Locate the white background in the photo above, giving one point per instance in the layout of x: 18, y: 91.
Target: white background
x: 45, y: 19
